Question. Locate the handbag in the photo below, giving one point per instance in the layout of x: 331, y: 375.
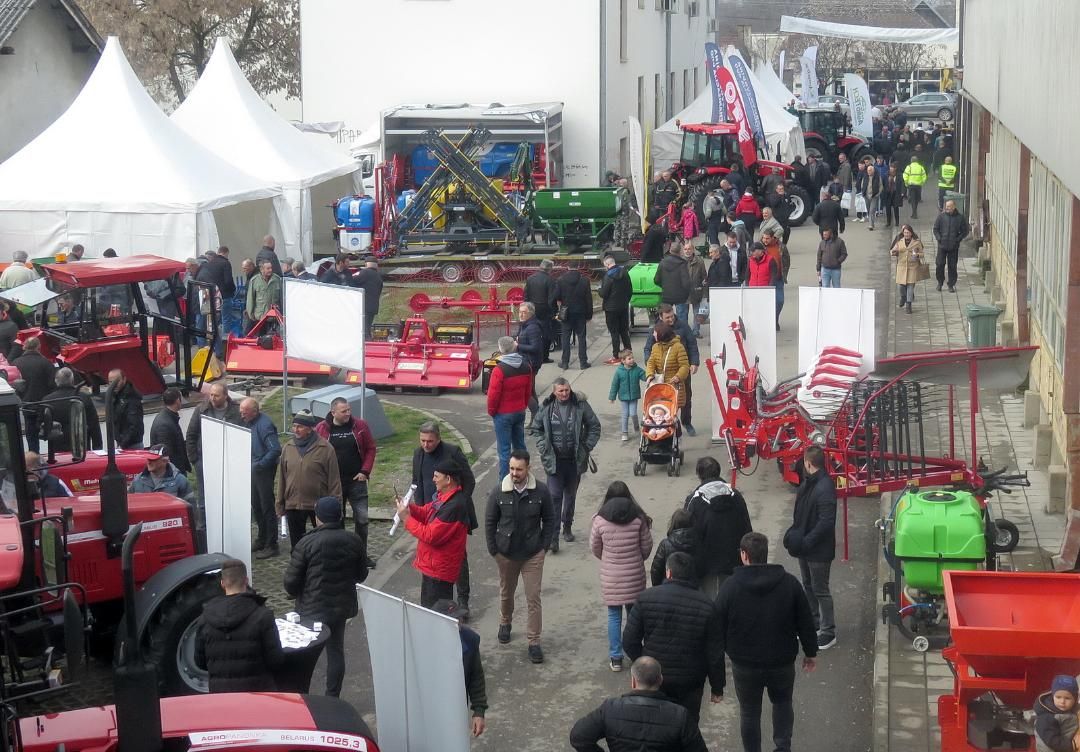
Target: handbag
x: 923, y: 272
x: 860, y: 204
x: 845, y: 202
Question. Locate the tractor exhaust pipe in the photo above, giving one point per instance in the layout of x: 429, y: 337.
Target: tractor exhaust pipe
x: 113, y: 489
x: 135, y: 684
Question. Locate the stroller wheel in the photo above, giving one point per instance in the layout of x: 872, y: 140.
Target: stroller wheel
x: 678, y: 468
x: 636, y: 469
x: 641, y: 467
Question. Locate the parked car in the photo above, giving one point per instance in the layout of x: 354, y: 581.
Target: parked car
x: 932, y: 104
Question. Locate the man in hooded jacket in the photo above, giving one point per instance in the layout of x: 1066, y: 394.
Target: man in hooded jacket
x: 720, y: 519
x: 615, y: 291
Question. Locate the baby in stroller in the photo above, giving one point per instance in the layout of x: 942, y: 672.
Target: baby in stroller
x: 658, y: 422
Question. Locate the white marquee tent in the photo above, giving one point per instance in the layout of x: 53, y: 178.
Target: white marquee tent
x: 113, y: 170
x: 228, y: 117
x: 781, y: 127
x: 772, y: 83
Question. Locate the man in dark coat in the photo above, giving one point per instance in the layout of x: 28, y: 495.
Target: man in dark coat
x: 428, y: 456
x: 615, y: 291
x: 574, y: 298
x: 829, y: 216
x: 950, y: 228
x: 267, y: 253
x: 719, y: 517
x: 339, y: 273
x: 238, y: 641
x: 370, y: 280
x: 475, y: 684
x: 763, y: 617
x: 812, y: 540
x: 643, y: 719
x: 61, y: 411
x: 127, y: 412
x: 677, y: 624
x: 652, y: 247
x: 532, y: 344
x: 354, y: 446
x: 673, y: 278
x: 326, y: 565
x: 166, y: 429
x: 218, y: 405
x: 540, y: 291
x: 265, y: 453
x: 782, y: 206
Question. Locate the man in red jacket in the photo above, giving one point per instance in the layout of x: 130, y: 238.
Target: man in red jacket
x: 507, y: 400
x: 355, y: 449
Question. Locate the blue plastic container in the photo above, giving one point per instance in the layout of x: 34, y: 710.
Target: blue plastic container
x: 356, y: 214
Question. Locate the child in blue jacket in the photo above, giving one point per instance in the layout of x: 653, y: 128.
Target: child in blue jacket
x: 626, y: 386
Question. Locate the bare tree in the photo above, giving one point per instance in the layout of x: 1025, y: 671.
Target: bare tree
x: 169, y: 42
x: 899, y: 61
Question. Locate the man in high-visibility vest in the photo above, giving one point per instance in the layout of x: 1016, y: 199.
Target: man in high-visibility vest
x: 946, y: 180
x: 914, y: 177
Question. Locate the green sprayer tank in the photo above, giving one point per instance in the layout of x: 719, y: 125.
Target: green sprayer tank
x: 645, y: 292
x: 935, y: 531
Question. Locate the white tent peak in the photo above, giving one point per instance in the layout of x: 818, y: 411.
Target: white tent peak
x: 114, y: 150
x: 226, y: 115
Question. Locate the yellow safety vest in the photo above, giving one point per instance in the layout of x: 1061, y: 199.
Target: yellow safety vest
x: 914, y: 174
x: 947, y: 176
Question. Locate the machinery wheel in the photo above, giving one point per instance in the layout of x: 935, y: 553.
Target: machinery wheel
x: 641, y: 467
x: 636, y: 469
x: 945, y: 114
x: 170, y: 637
x: 860, y: 154
x: 452, y: 273
x: 487, y: 273
x: 699, y: 191
x: 800, y: 199
x: 1006, y: 537
x: 818, y: 149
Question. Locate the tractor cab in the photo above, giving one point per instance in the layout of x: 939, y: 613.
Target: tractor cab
x: 708, y: 146
x: 827, y: 134
x: 829, y: 123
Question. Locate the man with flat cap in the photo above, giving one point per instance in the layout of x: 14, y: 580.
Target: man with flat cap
x: 325, y: 567
x: 307, y: 470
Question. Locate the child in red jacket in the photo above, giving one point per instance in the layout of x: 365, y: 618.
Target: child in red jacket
x: 749, y: 212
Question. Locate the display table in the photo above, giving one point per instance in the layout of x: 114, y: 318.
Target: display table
x: 294, y: 673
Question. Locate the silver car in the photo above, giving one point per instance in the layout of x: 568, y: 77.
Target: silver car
x: 931, y: 104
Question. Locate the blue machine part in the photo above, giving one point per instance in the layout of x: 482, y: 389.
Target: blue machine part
x: 494, y: 161
x: 356, y: 213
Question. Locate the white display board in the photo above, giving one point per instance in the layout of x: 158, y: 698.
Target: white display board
x: 837, y: 317
x: 420, y: 700
x: 756, y: 306
x: 226, y: 464
x: 324, y: 323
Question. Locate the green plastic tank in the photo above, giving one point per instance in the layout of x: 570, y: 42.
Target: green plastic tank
x: 578, y: 203
x: 935, y: 531
x: 646, y: 293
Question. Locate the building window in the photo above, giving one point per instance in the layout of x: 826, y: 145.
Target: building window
x: 624, y: 155
x: 696, y: 89
x: 624, y: 37
x: 685, y: 87
x: 1002, y: 186
x: 1049, y: 240
x: 658, y: 104
x: 641, y: 100
x: 672, y: 90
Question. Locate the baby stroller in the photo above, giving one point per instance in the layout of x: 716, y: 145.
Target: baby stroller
x: 661, y: 431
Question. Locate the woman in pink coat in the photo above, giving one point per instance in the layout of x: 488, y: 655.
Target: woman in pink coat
x: 621, y: 538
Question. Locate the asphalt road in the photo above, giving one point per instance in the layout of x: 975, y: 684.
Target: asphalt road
x: 533, y: 707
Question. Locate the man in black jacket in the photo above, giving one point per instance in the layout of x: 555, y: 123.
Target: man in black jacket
x: 949, y: 229
x: 166, y: 429
x: 764, y: 616
x: 574, y: 296
x: 829, y: 216
x: 127, y: 412
x: 689, y: 341
x: 267, y: 253
x: 475, y: 684
x: 371, y: 281
x: 532, y: 343
x: 720, y: 519
x: 615, y: 291
x: 429, y: 455
x: 540, y: 291
x: 643, y: 719
x: 673, y: 278
x: 61, y: 411
x: 238, y: 640
x: 339, y: 273
x: 812, y: 540
x: 325, y: 567
x: 677, y: 624
x: 519, y: 524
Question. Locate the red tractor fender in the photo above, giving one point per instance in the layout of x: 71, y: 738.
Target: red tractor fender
x: 849, y: 142
x: 812, y: 134
x: 766, y: 167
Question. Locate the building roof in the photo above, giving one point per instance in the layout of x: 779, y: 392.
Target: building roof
x: 764, y: 17
x: 12, y: 13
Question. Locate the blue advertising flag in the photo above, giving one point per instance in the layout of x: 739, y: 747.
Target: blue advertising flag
x: 714, y: 60
x: 746, y: 88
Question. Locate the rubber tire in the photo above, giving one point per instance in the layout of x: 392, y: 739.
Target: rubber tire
x: 860, y: 153
x: 796, y: 220
x: 945, y: 114
x: 821, y: 150
x: 168, y: 625
x: 487, y: 274
x: 699, y: 191
x: 452, y: 273
x: 1013, y: 540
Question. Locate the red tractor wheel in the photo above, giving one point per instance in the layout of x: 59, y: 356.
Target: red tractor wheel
x: 699, y: 191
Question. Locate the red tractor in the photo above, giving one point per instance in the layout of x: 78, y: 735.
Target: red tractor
x: 827, y: 134
x: 708, y: 149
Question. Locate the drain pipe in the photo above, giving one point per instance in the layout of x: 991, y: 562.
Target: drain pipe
x: 601, y: 165
x: 669, y: 98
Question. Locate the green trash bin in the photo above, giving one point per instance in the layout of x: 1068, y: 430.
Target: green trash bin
x: 959, y: 198
x: 982, y: 325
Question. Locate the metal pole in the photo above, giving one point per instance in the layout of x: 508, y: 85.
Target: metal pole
x: 284, y: 372
x: 363, y: 349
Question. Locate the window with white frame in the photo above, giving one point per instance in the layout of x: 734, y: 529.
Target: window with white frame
x: 1049, y: 239
x: 1003, y: 186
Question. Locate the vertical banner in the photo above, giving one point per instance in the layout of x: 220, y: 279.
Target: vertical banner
x: 637, y: 166
x: 226, y: 460
x: 808, y: 65
x: 749, y: 96
x: 780, y: 74
x: 858, y: 97
x: 420, y: 701
x: 713, y: 61
x: 738, y: 115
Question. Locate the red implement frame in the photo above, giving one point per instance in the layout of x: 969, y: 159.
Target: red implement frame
x: 472, y: 300
x: 263, y: 351
x: 1012, y: 632
x: 774, y: 425
x: 418, y: 361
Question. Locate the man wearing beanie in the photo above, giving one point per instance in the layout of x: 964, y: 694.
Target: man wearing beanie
x: 325, y: 567
x: 307, y: 470
x: 441, y: 529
